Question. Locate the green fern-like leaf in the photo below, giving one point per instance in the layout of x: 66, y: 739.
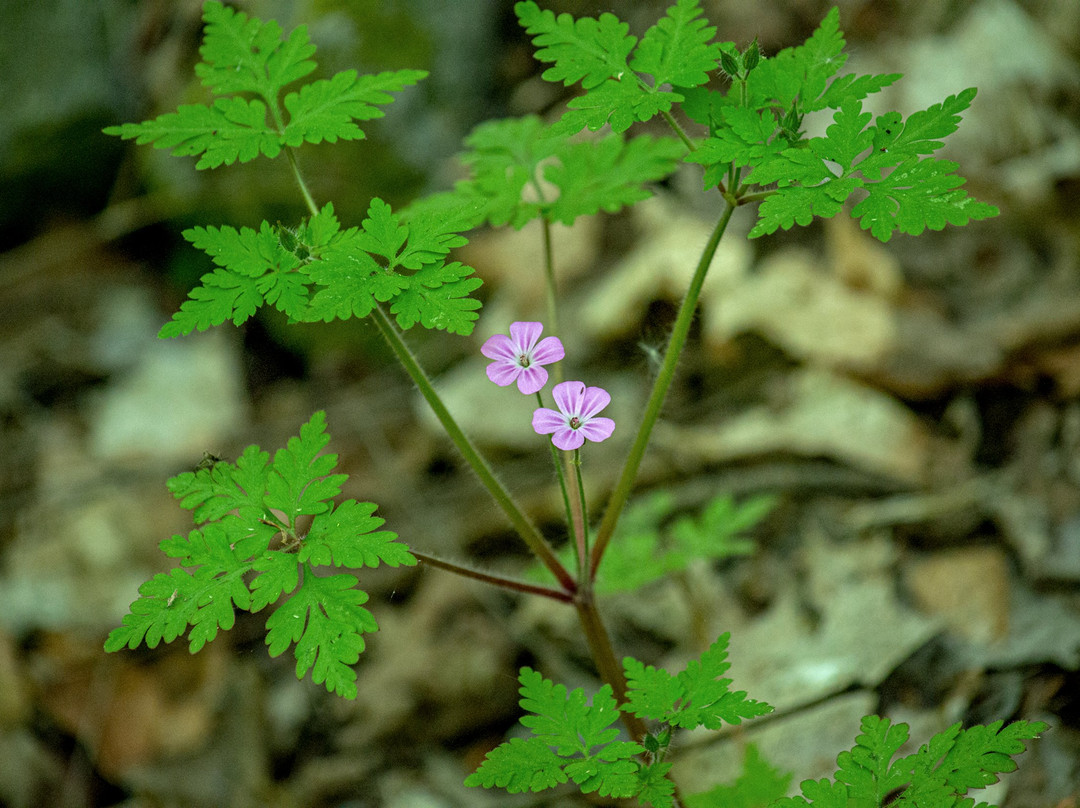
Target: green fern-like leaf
x: 390, y: 260
x: 327, y: 109
x: 608, y: 174
x: 326, y: 620
x: 228, y: 131
x: 253, y: 269
x: 903, y: 190
x: 695, y: 697
x: 939, y: 775
x: 587, y: 50
x: 521, y: 169
x: 572, y: 739
x: 244, y: 56
x: 249, y: 552
x: 321, y: 272
x: 677, y: 50
x: 520, y: 765
x: 755, y: 139
x: 645, y: 549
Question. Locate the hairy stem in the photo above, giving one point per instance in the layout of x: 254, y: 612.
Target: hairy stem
x: 496, y: 580
x: 611, y: 672
x: 551, y: 290
x: 578, y: 518
x: 573, y: 510
x: 309, y: 200
x: 524, y: 527
x: 674, y: 124
x: 663, y: 381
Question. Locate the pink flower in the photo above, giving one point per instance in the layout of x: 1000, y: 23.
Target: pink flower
x: 576, y: 419
x: 519, y: 357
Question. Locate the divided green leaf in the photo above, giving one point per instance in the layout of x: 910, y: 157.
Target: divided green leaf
x: 243, y: 55
x: 695, y: 697
x: 648, y: 546
x: 676, y: 51
x: 938, y: 775
x: 756, y: 139
x: 573, y: 739
x: 901, y: 189
x: 251, y: 548
x: 390, y: 260
x: 320, y: 272
x: 521, y: 169
x: 587, y: 50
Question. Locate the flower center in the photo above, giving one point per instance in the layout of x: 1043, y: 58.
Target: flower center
x: 523, y: 361
x: 575, y: 422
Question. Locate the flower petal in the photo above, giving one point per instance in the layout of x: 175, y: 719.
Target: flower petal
x: 500, y: 347
x: 531, y: 379
x: 567, y: 439
x: 503, y: 373
x: 594, y: 400
x: 525, y: 335
x: 548, y: 350
x: 568, y: 397
x: 597, y: 429
x: 545, y: 421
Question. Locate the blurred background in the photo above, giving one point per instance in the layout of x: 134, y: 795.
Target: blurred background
x: 913, y: 408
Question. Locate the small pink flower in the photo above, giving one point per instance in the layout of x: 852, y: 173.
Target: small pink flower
x: 520, y: 357
x: 576, y: 419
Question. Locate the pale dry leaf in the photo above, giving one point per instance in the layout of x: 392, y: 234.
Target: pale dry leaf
x: 818, y: 414
x: 813, y: 315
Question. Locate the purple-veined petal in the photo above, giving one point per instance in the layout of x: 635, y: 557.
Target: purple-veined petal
x: 597, y: 429
x: 545, y: 421
x: 502, y: 373
x: 531, y: 379
x: 568, y: 397
x: 500, y: 347
x: 548, y: 350
x: 525, y: 335
x: 594, y: 400
x: 567, y: 439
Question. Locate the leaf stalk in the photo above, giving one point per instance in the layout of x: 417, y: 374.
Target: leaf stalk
x: 664, y: 378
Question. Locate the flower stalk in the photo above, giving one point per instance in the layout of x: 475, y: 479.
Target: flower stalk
x: 522, y: 524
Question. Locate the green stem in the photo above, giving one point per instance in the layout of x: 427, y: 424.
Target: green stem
x: 308, y: 198
x: 579, y: 520
x: 573, y: 516
x: 664, y: 378
x: 497, y: 580
x: 603, y: 655
x: 674, y: 124
x: 552, y: 296
x: 609, y: 668
x: 757, y: 196
x: 561, y: 475
x: 524, y: 527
